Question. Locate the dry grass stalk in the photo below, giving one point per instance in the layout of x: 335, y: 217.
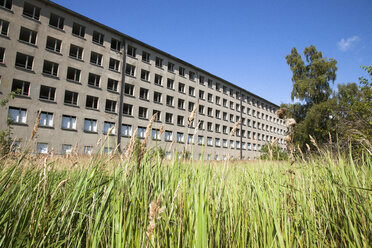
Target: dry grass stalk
x: 162, y: 129
x: 234, y: 128
x: 314, y: 142
x: 298, y: 147
x: 155, y: 212
x: 274, y: 141
x: 34, y: 131
x: 193, y: 113
x: 270, y: 153
x: 174, y: 198
x: 308, y: 147
x: 60, y: 185
x: 288, y: 138
x: 142, y: 147
x: 130, y: 149
x: 330, y: 138
x: 281, y: 113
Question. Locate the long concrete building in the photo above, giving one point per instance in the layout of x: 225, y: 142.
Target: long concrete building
x: 86, y: 78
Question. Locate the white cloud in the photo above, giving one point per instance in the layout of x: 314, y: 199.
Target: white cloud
x: 345, y: 45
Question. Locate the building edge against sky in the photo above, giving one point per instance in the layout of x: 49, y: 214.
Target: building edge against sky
x: 72, y: 68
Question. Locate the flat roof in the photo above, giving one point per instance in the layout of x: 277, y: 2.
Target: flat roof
x: 127, y: 37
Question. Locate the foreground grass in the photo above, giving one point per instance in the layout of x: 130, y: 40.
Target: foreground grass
x: 104, y: 202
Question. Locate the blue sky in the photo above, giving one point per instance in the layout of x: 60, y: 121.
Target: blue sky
x: 245, y: 42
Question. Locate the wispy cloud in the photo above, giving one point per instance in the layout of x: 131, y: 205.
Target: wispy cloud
x: 345, y: 45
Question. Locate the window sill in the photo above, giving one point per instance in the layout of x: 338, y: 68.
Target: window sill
x: 159, y: 67
x: 159, y: 85
x: 47, y: 101
x: 169, y: 123
x: 6, y: 9
x: 97, y: 110
x: 131, y: 56
x: 180, y: 142
x: 57, y: 28
x: 78, y: 36
x: 113, y: 70
x: 126, y: 136
x: 116, y: 51
x: 52, y: 51
x: 27, y: 43
x: 19, y: 124
x: 143, y: 118
x: 159, y: 103
x: 181, y: 109
x: 182, y: 76
x: 183, y: 93
x: 98, y: 65
x: 92, y: 132
x: 129, y: 116
x: 49, y: 75
x: 98, y: 44
x: 75, y: 58
x: 144, y: 80
x: 146, y: 62
x: 112, y: 91
x: 127, y: 95
x: 30, y: 18
x: 22, y: 96
x: 171, y: 89
x: 192, y: 96
x: 24, y: 69
x: 169, y: 141
x: 110, y: 112
x: 5, y: 36
x: 144, y: 99
x: 171, y: 71
x: 180, y: 125
x: 46, y: 127
x: 2, y: 64
x: 69, y: 129
x: 71, y: 105
x: 73, y: 81
x: 111, y: 134
x: 94, y: 87
x: 128, y: 75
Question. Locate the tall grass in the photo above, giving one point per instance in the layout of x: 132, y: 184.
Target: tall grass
x: 102, y: 201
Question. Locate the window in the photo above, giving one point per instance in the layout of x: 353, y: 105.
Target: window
x: 22, y: 88
x: 17, y: 115
x: 180, y: 120
x: 158, y: 79
x: 180, y: 137
x: 94, y: 80
x: 73, y: 74
x: 107, y: 150
x: 141, y: 132
x: 145, y: 57
x: 4, y: 25
x: 231, y: 105
x: 201, y: 94
x: 115, y: 45
x: 190, y: 139
x: 157, y: 116
x: 112, y: 84
x: 181, y: 71
x: 6, y: 4
x: 224, y: 89
x: 157, y: 97
x: 181, y: 87
x: 218, y: 100
x: 145, y: 75
x: 224, y: 103
x: 91, y: 102
x: 209, y: 141
x: 127, y: 109
x: 170, y: 84
x: 98, y: 37
x: 27, y: 35
x: 126, y: 130
x: 224, y: 116
x: 168, y: 135
x: 217, y: 142
x: 181, y: 104
x: 191, y: 106
x: 218, y: 114
x: 68, y: 122
x: 200, y: 140
x: 224, y: 143
x: 231, y: 118
x: 47, y: 93
x: 50, y: 68
x: 170, y: 67
x: 76, y: 52
x: 224, y: 129
x: 201, y: 109
x: 144, y: 94
x: 53, y: 44
x: 129, y: 89
x: 209, y: 126
x: 158, y: 62
x: 31, y: 11
x: 201, y: 80
x: 232, y: 144
x: 2, y: 53
x: 237, y: 145
x: 131, y: 51
x: 110, y: 106
x: 24, y: 61
x: 46, y: 119
x: 90, y: 125
x: 71, y: 97
x: 114, y: 64
x: 231, y: 92
x: 96, y: 58
x: 192, y: 75
x: 218, y: 87
x: 78, y: 30
x: 142, y: 113
x: 56, y: 21
x: 129, y: 70
x: 155, y: 134
x: 210, y: 83
x: 210, y: 112
x: 66, y: 149
x: 42, y: 148
x: 168, y: 118
x: 107, y: 126
x: 210, y: 97
x: 191, y: 91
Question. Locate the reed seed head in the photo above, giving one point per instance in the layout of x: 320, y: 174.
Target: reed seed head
x: 281, y: 113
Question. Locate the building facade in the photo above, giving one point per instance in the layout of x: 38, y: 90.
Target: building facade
x: 77, y: 72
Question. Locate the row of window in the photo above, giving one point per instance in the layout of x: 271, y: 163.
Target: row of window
x: 57, y: 21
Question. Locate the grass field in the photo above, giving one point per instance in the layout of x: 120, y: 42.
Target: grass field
x: 104, y: 201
